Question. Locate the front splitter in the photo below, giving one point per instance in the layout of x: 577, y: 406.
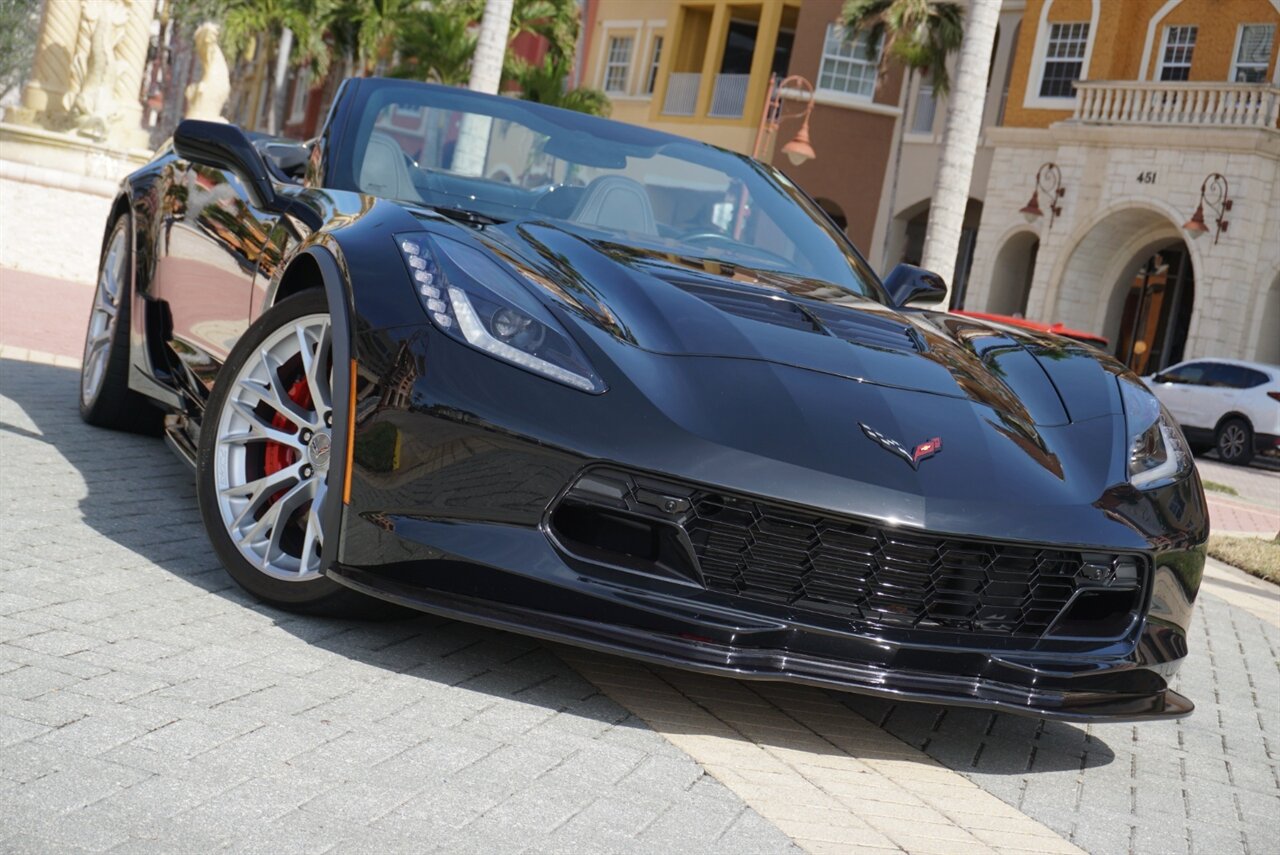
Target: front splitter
x: 777, y: 665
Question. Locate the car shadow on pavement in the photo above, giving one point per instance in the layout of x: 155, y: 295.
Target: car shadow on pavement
x: 139, y: 496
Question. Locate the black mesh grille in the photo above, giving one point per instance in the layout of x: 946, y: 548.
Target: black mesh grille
x: 883, y: 576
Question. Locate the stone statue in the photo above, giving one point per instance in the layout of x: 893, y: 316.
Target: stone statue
x: 206, y: 96
x: 93, y: 105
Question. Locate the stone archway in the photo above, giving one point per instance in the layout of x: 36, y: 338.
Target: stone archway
x: 907, y: 242
x: 1012, y: 273
x: 1095, y: 283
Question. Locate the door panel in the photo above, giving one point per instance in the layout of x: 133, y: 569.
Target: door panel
x: 213, y: 240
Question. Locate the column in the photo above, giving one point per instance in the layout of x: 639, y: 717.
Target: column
x: 50, y: 77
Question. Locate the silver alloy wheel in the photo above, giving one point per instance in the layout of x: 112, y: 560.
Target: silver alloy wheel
x: 102, y: 318
x: 273, y: 516
x: 1231, y: 444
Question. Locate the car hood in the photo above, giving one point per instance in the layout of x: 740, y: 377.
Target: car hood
x: 672, y: 305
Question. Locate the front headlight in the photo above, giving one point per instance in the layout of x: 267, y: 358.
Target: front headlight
x: 1158, y: 452
x: 469, y: 297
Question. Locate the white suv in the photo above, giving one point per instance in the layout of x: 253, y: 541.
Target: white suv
x: 1226, y: 404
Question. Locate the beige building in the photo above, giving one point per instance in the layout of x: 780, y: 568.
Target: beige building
x: 1152, y: 125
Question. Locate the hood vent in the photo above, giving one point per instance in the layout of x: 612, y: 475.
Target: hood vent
x: 763, y: 308
x: 852, y: 325
x: 869, y: 329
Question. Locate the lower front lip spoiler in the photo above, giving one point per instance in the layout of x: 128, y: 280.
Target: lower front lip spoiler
x: 781, y: 665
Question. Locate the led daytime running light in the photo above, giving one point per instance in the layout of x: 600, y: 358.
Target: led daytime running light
x: 471, y: 327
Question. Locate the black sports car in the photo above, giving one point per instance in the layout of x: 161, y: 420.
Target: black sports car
x: 613, y: 387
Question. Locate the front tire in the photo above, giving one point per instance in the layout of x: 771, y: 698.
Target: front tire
x: 1235, y: 442
x: 105, y: 397
x: 263, y: 463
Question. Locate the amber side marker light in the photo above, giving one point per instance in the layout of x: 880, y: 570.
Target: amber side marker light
x: 351, y: 437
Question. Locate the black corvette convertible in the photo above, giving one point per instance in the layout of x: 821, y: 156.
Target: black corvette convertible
x: 607, y: 386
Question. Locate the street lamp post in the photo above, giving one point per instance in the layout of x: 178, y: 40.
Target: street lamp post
x: 800, y: 149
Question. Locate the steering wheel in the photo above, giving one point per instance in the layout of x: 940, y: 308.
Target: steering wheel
x: 707, y: 237
x: 712, y: 238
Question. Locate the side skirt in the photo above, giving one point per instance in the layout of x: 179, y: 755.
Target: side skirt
x: 179, y: 440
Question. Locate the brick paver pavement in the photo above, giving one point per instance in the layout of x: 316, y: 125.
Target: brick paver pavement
x: 1258, y: 483
x: 147, y: 704
x: 1206, y: 784
x: 1232, y: 516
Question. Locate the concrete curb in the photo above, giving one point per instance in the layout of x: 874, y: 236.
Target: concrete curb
x: 45, y: 177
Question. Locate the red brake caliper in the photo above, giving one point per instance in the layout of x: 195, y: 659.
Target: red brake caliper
x: 276, y: 456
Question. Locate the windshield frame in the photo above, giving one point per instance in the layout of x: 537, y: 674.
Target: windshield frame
x: 349, y: 137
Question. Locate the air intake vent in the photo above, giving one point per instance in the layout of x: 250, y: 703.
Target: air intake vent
x: 762, y: 307
x: 848, y: 324
x: 866, y: 328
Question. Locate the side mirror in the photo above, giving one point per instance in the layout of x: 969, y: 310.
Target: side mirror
x: 225, y: 146
x: 908, y: 283
x: 288, y: 160
x: 1160, y: 378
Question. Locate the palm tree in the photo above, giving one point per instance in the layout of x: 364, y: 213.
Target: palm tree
x: 922, y: 35
x: 545, y: 84
x: 376, y: 24
x: 960, y: 140
x: 271, y: 32
x: 554, y: 20
x: 437, y: 45
x: 491, y: 46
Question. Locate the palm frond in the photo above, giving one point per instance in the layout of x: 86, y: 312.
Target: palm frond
x: 921, y: 34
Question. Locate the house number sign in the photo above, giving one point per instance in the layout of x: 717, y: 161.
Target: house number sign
x: 1146, y: 178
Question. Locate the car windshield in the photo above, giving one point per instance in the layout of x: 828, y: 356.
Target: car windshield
x: 501, y: 159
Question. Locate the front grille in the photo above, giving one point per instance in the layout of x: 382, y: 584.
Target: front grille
x: 876, y: 575
x: 882, y: 576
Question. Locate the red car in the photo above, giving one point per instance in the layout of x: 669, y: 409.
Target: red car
x: 1097, y: 341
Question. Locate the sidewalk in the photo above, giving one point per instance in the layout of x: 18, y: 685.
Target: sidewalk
x: 43, y: 314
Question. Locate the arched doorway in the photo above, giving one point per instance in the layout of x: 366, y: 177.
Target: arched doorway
x: 1157, y: 311
x: 914, y: 224
x: 1131, y: 278
x: 1011, y: 276
x: 834, y: 211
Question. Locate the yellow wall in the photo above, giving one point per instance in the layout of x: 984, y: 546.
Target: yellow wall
x: 1120, y: 37
x: 694, y: 33
x: 1218, y: 21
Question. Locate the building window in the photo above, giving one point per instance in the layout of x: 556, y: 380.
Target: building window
x: 652, y: 79
x: 926, y: 106
x: 1175, y: 59
x: 1064, y: 60
x: 848, y: 65
x: 618, y: 64
x: 1253, y: 50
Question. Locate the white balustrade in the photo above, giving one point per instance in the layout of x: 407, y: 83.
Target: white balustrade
x: 1199, y: 104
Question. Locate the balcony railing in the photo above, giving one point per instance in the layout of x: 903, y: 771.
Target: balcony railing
x: 1224, y: 105
x: 729, y: 96
x: 682, y: 93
